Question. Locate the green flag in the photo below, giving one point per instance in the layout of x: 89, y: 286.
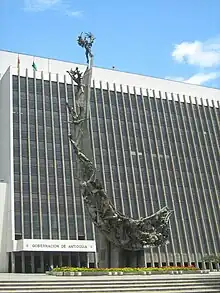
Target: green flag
x: 34, y: 66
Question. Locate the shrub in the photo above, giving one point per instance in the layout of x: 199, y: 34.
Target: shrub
x: 131, y: 270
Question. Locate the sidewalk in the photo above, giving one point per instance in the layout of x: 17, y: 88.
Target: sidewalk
x: 44, y: 277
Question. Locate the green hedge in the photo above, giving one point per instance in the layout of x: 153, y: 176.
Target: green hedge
x: 72, y: 269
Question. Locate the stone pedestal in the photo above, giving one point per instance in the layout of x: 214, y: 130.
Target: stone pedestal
x: 109, y: 255
x: 133, y: 259
x: 141, y: 259
x: 103, y: 251
x: 114, y: 254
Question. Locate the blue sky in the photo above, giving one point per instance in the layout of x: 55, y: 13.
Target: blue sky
x: 164, y: 38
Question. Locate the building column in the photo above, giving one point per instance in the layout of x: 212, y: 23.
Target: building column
x: 51, y: 259
x: 96, y: 259
x: 69, y: 259
x: 60, y: 260
x: 78, y: 259
x: 32, y: 263
x: 153, y: 260
x: 12, y: 262
x: 211, y: 266
x: 22, y: 262
x: 145, y: 258
x: 42, y: 269
x: 87, y: 259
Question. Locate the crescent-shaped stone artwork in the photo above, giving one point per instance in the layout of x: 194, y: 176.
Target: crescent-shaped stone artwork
x: 119, y: 229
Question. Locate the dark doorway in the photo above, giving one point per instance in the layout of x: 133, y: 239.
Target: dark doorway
x: 129, y: 259
x: 74, y: 259
x: 28, y: 264
x: 18, y: 267
x: 9, y: 262
x: 65, y: 259
x: 37, y: 263
x: 56, y: 259
x: 46, y: 256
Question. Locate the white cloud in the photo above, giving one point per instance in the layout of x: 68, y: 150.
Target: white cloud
x: 176, y: 78
x: 202, y: 78
x: 203, y: 54
x: 74, y: 13
x: 40, y: 5
x: 199, y: 78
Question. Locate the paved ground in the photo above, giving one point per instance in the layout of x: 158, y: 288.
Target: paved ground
x: 43, y: 277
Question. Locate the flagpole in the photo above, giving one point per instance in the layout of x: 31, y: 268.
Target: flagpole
x: 48, y: 65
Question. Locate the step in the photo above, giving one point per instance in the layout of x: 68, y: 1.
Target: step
x: 85, y: 286
x: 122, y: 282
x: 121, y: 279
x: 110, y: 289
x: 44, y: 279
x: 14, y: 287
x: 143, y: 290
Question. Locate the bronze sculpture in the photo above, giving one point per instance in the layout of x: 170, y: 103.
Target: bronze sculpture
x: 122, y: 231
x: 86, y: 43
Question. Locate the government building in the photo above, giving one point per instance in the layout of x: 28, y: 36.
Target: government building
x: 155, y: 143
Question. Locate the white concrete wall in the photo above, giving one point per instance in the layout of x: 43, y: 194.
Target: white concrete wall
x: 6, y: 152
x: 3, y: 228
x: 110, y: 76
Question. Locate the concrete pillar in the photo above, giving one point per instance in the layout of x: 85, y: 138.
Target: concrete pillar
x: 87, y: 260
x: 152, y: 258
x: 145, y: 258
x: 159, y: 260
x: 22, y: 262
x: 78, y: 259
x: 96, y: 259
x: 69, y: 259
x: 60, y: 260
x: 51, y: 259
x: 32, y: 263
x: 12, y: 262
x: 42, y: 269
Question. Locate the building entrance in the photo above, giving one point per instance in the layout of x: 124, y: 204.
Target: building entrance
x: 39, y: 262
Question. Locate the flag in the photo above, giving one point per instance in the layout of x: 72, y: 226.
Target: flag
x: 18, y: 62
x: 34, y: 66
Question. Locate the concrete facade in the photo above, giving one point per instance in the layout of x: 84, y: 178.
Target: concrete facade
x: 109, y: 78
x: 6, y: 170
x: 155, y: 143
x: 3, y: 227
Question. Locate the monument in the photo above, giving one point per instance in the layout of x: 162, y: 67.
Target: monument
x: 118, y: 232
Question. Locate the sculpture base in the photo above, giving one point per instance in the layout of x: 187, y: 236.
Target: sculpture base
x: 111, y: 256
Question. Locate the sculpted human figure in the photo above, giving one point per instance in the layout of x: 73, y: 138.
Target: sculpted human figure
x: 86, y: 43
